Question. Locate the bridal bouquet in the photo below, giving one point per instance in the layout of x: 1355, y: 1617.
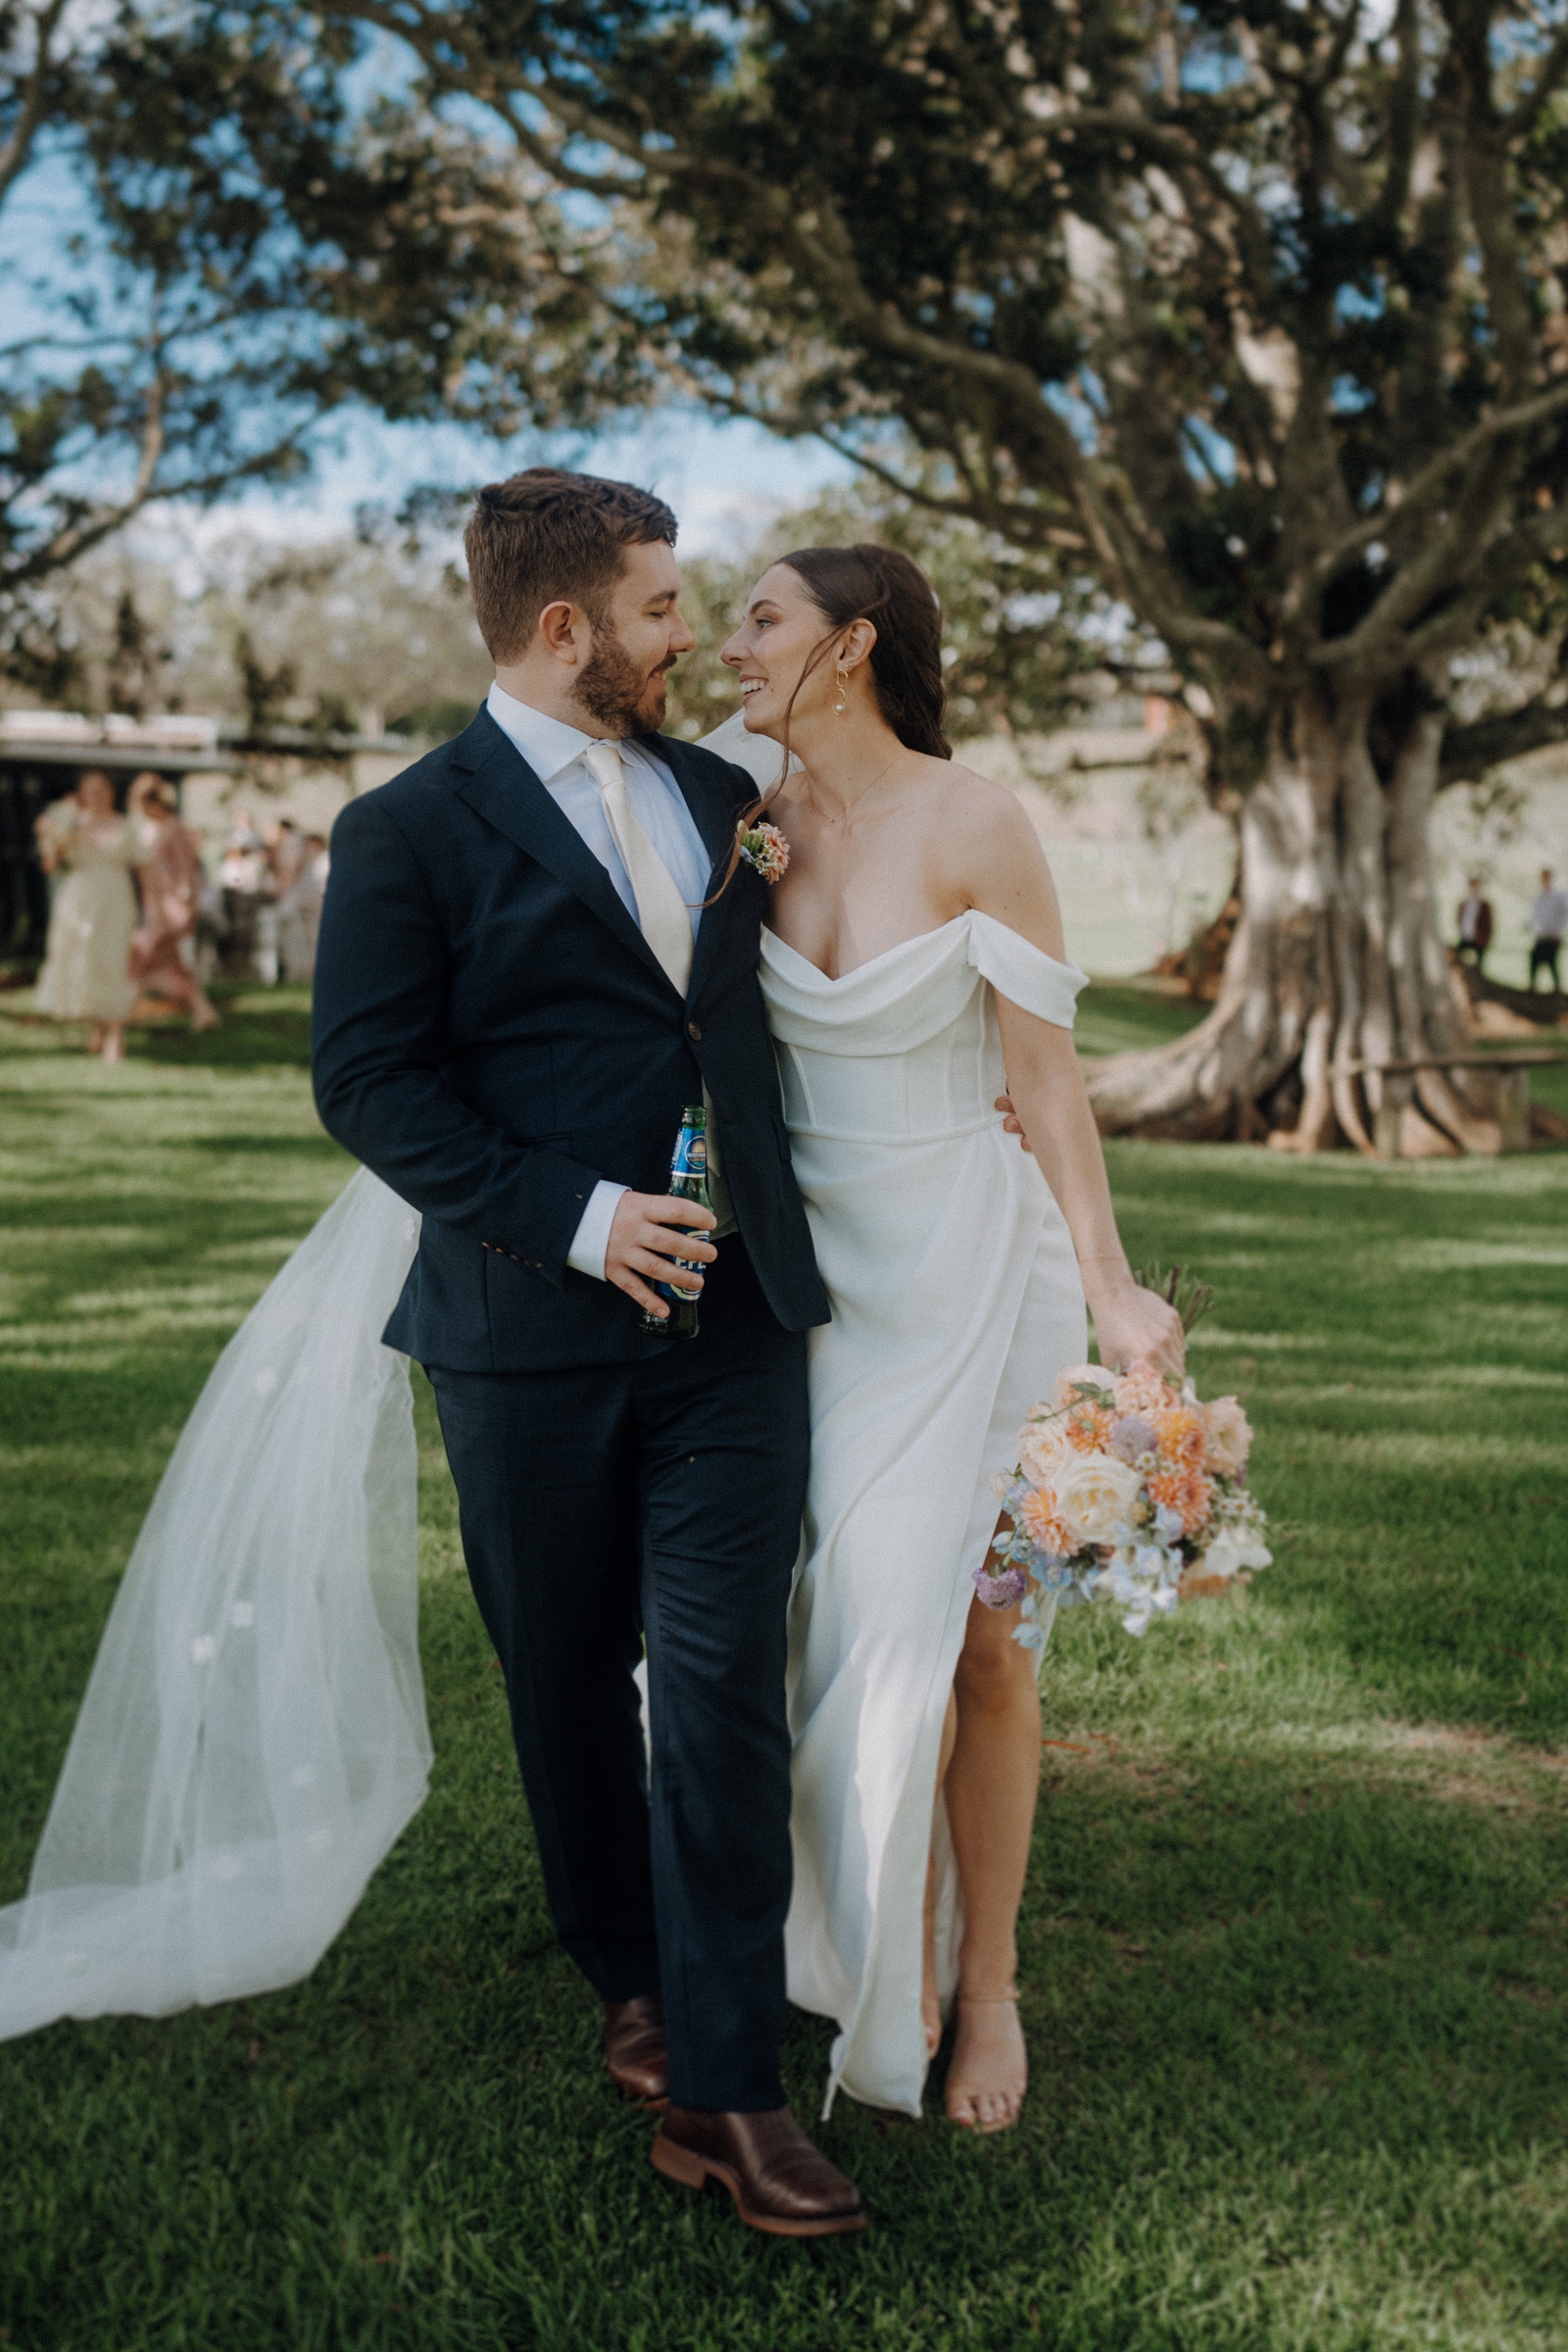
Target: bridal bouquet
x: 1125, y: 1488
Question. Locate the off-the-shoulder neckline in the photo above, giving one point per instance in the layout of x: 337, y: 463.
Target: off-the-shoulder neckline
x: 919, y: 938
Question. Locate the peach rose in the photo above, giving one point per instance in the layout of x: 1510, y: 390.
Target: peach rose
x: 1092, y: 1494
x: 1037, y: 1514
x: 1079, y: 1376
x: 1042, y: 1445
x: 1227, y: 1436
x: 1142, y: 1392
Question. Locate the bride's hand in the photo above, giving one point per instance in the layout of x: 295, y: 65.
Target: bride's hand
x: 1134, y: 1326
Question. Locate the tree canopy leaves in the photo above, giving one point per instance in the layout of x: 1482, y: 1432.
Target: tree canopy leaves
x: 1258, y: 307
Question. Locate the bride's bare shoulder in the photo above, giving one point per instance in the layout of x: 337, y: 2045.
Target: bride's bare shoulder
x: 978, y: 818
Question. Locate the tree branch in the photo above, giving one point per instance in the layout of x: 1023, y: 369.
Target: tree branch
x: 1165, y: 143
x: 80, y: 537
x: 16, y: 151
x: 1470, y: 753
x: 1502, y: 424
x: 1403, y: 116
x: 1509, y: 558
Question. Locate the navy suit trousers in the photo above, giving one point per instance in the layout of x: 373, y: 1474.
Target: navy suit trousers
x: 656, y: 1499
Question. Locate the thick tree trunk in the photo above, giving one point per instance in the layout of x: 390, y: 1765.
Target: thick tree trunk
x: 1335, y: 970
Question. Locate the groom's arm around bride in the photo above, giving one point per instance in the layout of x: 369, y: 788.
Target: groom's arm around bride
x: 535, y: 956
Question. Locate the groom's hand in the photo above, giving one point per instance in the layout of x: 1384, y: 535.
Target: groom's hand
x: 649, y: 1233
x: 1012, y: 1124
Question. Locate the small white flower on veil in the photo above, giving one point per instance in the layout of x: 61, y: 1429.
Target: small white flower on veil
x: 203, y: 1649
x: 242, y: 1614
x: 265, y: 1381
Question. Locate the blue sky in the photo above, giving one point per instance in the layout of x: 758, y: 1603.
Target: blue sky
x: 725, y: 481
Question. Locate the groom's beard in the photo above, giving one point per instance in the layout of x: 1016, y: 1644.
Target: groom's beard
x: 623, y: 699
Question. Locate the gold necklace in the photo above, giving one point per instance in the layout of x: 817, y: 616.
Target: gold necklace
x: 868, y: 788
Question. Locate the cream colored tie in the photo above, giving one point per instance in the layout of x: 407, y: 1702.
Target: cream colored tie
x: 662, y: 918
x: 663, y: 915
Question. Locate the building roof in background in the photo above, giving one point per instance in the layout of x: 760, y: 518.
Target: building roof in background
x: 174, y: 742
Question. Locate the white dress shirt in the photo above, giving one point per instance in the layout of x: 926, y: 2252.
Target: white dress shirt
x: 554, y: 753
x: 1549, y: 917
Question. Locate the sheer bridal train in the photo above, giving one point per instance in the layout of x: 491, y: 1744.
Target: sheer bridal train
x: 253, y: 1737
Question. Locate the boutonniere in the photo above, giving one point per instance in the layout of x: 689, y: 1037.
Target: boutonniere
x: 764, y: 850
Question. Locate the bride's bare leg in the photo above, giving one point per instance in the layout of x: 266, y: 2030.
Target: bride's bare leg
x: 930, y: 1999
x: 992, y: 1783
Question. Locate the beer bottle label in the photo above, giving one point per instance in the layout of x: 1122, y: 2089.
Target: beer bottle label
x: 691, y: 1153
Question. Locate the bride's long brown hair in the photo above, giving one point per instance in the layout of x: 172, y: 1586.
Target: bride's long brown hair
x: 884, y: 587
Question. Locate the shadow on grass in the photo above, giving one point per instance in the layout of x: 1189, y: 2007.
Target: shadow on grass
x: 254, y: 1033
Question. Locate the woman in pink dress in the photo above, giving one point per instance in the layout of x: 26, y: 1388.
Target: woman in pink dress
x: 171, y: 873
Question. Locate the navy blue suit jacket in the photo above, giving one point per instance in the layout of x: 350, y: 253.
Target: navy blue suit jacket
x: 492, y: 1035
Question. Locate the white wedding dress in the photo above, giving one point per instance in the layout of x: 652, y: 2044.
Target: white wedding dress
x: 956, y: 1301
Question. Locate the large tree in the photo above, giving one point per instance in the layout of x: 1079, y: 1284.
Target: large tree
x: 1257, y: 308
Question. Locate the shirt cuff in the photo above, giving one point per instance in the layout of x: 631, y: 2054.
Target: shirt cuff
x: 592, y: 1238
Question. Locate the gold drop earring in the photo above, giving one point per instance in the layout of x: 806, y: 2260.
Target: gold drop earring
x: 844, y: 687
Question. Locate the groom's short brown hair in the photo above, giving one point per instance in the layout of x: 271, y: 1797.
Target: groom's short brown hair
x: 546, y: 534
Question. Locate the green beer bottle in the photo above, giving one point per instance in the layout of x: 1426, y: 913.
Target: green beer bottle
x: 688, y: 1181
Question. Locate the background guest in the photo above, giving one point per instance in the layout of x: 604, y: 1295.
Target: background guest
x: 299, y: 911
x: 86, y: 968
x: 1548, y: 921
x: 285, y: 845
x: 170, y: 870
x: 1475, y: 925
x: 244, y: 874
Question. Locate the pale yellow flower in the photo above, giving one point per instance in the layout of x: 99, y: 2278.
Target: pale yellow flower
x: 1093, y: 1491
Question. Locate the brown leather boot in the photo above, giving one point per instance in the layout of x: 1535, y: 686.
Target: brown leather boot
x: 634, y: 2048
x: 779, y: 2181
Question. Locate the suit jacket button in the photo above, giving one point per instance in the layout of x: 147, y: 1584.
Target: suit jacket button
x: 693, y: 1031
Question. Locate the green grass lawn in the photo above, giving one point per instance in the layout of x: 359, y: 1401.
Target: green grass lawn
x: 1295, y: 1948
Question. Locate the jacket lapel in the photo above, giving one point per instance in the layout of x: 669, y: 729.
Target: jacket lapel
x: 496, y: 781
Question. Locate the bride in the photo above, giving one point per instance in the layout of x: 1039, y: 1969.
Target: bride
x: 912, y: 950
x: 238, y: 1773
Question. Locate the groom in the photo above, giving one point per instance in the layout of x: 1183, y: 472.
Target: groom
x: 531, y: 963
